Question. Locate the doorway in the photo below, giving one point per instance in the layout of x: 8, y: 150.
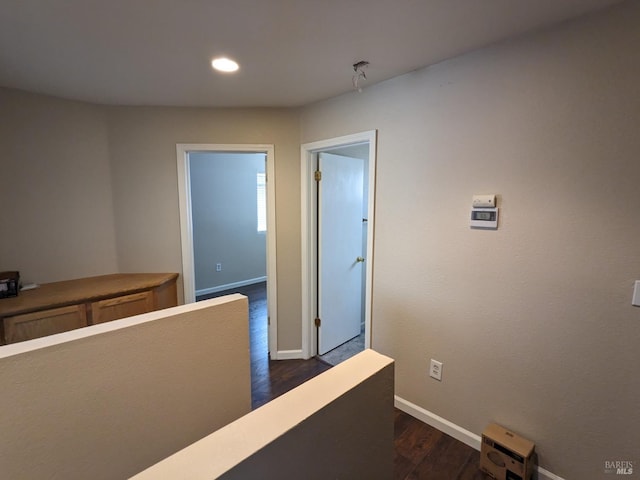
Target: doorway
x: 228, y: 211
x: 316, y: 247
x: 194, y: 157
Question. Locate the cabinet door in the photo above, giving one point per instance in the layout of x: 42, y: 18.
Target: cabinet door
x: 43, y: 323
x: 121, y: 307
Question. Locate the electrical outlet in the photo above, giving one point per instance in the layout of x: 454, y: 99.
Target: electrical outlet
x: 218, y: 267
x: 435, y: 370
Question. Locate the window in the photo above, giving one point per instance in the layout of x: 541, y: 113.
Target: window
x: 261, y: 189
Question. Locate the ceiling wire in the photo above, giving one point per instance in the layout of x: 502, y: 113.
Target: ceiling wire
x: 359, y: 68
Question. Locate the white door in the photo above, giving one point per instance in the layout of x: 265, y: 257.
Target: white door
x: 340, y: 255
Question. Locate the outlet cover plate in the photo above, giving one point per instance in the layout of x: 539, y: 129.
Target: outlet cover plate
x: 435, y: 370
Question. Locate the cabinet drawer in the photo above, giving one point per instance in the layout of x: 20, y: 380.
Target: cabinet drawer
x: 121, y: 307
x: 45, y: 322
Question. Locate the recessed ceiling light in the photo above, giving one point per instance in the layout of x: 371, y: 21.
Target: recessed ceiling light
x: 224, y: 64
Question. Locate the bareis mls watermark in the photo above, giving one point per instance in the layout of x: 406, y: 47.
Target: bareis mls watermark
x: 619, y: 467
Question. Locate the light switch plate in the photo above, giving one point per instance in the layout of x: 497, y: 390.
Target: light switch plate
x: 636, y: 294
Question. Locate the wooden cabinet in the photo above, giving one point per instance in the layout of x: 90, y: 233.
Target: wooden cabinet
x: 62, y: 306
x: 120, y: 307
x: 46, y: 322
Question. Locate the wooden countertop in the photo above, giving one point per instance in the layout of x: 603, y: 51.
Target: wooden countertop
x: 91, y: 289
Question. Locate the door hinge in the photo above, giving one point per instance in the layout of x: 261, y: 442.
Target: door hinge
x: 318, y: 322
x: 268, y: 320
x: 317, y: 175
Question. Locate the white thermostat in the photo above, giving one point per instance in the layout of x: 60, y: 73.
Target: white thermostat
x: 484, y: 218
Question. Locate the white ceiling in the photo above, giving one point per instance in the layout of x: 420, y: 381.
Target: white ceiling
x: 291, y: 52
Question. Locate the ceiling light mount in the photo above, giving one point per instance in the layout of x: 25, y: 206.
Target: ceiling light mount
x: 359, y: 68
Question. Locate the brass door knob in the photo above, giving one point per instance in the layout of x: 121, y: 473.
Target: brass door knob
x: 360, y: 259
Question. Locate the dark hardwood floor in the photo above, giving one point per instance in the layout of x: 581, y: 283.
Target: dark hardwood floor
x: 421, y: 451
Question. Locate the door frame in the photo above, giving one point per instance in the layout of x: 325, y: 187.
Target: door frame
x: 186, y: 223
x: 309, y: 229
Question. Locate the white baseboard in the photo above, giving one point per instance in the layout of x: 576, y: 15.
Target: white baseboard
x: 222, y: 288
x: 547, y: 475
x: 288, y: 355
x: 455, y: 431
x: 445, y: 426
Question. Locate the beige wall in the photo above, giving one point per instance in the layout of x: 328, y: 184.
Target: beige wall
x: 336, y: 425
x: 145, y: 188
x: 55, y: 189
x: 533, y: 321
x: 107, y: 401
x: 94, y: 190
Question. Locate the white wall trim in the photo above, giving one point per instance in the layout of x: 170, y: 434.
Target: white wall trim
x: 227, y: 286
x: 442, y: 424
x: 186, y: 223
x: 288, y: 355
x: 547, y: 475
x: 456, y: 431
x: 307, y: 233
